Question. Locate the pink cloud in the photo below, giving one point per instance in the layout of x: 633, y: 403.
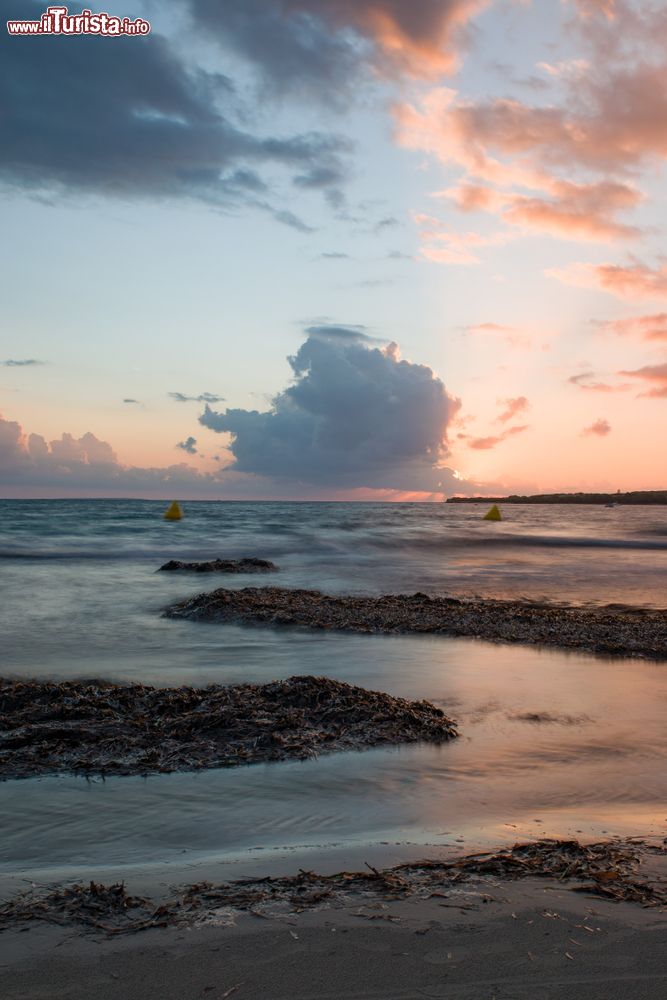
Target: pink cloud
x: 440, y: 125
x: 609, y: 124
x: 572, y: 211
x: 655, y: 375
x: 511, y: 407
x: 475, y: 198
x: 512, y: 335
x: 583, y: 381
x: 584, y: 211
x: 443, y: 245
x: 485, y: 443
x: 598, y: 429
x: 652, y: 327
x: 87, y: 466
x: 448, y: 247
x: 590, y: 8
x: 566, y: 67
x: 593, y: 128
x: 420, y: 38
x: 630, y: 281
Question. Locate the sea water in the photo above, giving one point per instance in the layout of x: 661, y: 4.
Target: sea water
x: 552, y: 743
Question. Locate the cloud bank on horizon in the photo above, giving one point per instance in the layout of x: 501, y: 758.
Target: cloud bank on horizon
x: 85, y: 465
x: 356, y: 415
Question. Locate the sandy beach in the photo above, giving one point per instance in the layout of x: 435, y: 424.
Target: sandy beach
x: 494, y: 940
x: 539, y: 921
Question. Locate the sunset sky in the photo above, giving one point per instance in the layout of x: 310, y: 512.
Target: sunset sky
x: 335, y: 248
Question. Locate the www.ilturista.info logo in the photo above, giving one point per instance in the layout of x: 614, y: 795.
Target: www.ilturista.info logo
x: 58, y: 21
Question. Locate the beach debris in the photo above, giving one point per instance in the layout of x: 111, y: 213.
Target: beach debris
x: 583, y: 867
x: 173, y: 512
x: 609, y: 631
x: 232, y: 989
x: 97, y: 727
x: 108, y: 908
x: 221, y: 566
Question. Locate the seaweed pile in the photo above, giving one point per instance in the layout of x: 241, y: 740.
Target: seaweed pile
x: 101, y: 907
x: 610, y: 631
x: 221, y: 566
x: 91, y: 727
x: 610, y: 869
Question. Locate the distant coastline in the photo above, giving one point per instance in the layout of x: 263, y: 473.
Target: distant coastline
x: 635, y: 498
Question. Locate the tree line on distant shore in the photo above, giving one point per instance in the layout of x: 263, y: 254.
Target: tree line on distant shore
x: 635, y: 497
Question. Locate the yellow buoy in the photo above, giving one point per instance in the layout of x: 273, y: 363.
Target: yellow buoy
x: 173, y: 512
x: 494, y: 514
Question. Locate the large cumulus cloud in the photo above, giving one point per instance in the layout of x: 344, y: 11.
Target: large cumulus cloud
x: 354, y: 415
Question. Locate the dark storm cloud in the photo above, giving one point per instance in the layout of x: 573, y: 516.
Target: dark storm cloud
x: 293, y: 52
x: 354, y: 415
x: 203, y: 397
x: 126, y: 117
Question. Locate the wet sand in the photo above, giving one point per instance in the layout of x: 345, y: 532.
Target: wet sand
x: 610, y: 630
x: 624, y: 871
x: 494, y: 940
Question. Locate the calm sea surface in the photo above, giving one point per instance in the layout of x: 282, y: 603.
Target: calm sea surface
x: 80, y: 597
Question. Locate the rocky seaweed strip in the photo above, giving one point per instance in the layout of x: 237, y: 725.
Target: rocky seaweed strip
x: 611, y: 869
x: 92, y: 727
x: 606, y: 630
x: 250, y: 565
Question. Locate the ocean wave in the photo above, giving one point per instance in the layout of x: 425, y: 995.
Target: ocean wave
x: 314, y: 547
x: 431, y: 541
x: 33, y: 555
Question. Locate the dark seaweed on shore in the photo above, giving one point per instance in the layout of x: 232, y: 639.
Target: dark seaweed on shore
x: 610, y: 631
x: 608, y: 869
x: 221, y: 566
x: 90, y: 727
